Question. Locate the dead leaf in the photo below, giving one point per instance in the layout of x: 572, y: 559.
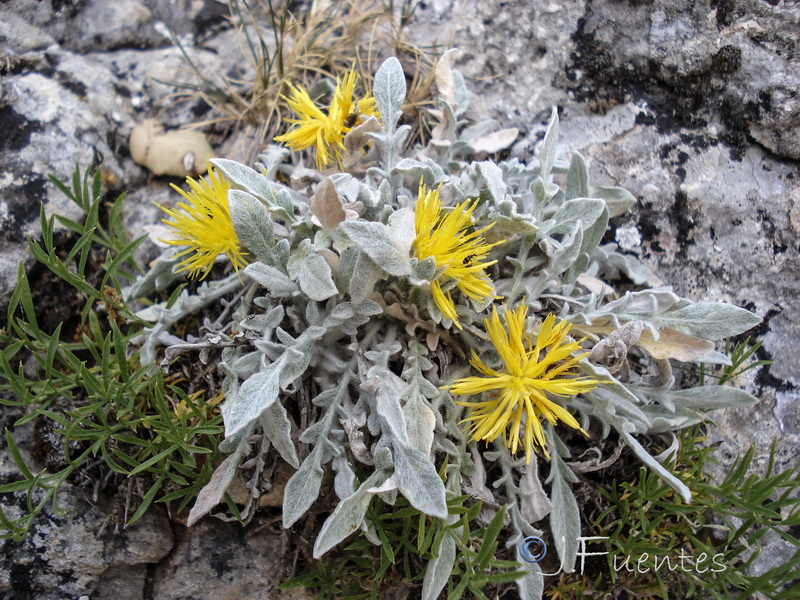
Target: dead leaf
x: 674, y: 344
x: 494, y: 142
x: 213, y: 492
x: 357, y: 137
x: 327, y: 206
x: 444, y: 76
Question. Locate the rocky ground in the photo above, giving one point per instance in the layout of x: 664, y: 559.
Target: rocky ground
x: 693, y: 106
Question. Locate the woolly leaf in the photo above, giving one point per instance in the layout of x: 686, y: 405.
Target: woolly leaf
x: 710, y: 320
x: 707, y: 397
x: 439, y: 569
x: 303, y: 487
x: 670, y: 479
x: 277, y: 427
x: 253, y: 224
x: 418, y: 481
x: 617, y: 199
x: 276, y: 282
x: 347, y: 516
x: 255, y: 396
x: 577, y: 178
x: 388, y: 246
x: 547, y: 155
x: 565, y: 520
x: 389, y: 90
x: 315, y: 277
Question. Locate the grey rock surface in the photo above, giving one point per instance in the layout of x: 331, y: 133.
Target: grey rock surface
x: 219, y: 560
x: 692, y: 106
x: 103, y: 26
x: 65, y: 556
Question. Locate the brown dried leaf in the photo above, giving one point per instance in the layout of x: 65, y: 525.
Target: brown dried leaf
x: 674, y: 344
x: 494, y: 142
x: 444, y: 75
x: 327, y: 206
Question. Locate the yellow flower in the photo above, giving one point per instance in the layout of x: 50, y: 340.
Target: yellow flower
x: 531, y: 373
x: 460, y: 255
x: 204, y: 224
x: 326, y: 131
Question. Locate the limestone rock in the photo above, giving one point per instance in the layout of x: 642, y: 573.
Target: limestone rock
x: 220, y: 560
x: 66, y: 556
x: 103, y: 26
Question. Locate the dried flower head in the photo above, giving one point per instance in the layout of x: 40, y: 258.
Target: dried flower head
x: 531, y: 373
x: 460, y: 255
x: 203, y: 224
x: 325, y: 132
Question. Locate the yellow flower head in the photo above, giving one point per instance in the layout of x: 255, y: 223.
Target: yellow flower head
x: 462, y: 254
x: 203, y: 224
x: 531, y: 373
x: 326, y: 131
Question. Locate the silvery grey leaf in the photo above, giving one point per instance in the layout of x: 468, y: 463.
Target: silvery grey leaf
x: 540, y: 197
x: 461, y: 94
x: 255, y: 395
x: 547, y: 154
x: 534, y: 503
x: 665, y: 421
x: 303, y: 487
x: 428, y: 171
x: 530, y: 587
x: 348, y: 515
x: 253, y: 224
x: 362, y: 274
x: 247, y: 364
x: 243, y: 177
x: 645, y: 302
x: 565, y: 520
x: 618, y: 200
x: 420, y: 422
x: 577, y: 178
x: 273, y: 280
x: 480, y: 129
x: 591, y: 239
x: 277, y: 427
x: 389, y: 89
x: 251, y: 181
x: 423, y: 270
x: 368, y: 308
x: 708, y: 397
x: 628, y: 264
x: 709, y: 320
x: 519, y: 224
x: 315, y: 277
x: 418, y: 481
x: 439, y: 569
x: 297, y: 358
x: 565, y: 256
x: 344, y: 484
x: 656, y: 466
x: 493, y: 178
x: 270, y: 160
x: 387, y: 406
x: 378, y: 242
x: 583, y: 210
